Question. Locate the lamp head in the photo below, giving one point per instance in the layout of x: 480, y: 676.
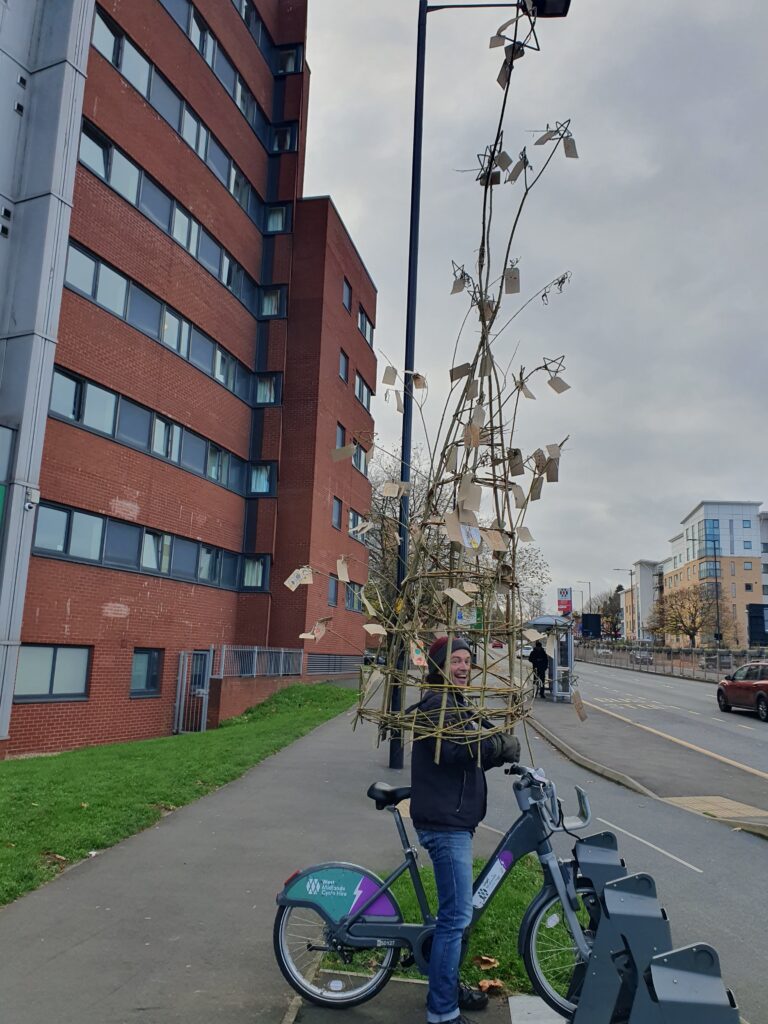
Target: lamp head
x: 551, y: 8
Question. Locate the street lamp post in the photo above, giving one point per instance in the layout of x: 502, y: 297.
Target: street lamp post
x: 543, y: 9
x: 632, y: 594
x: 589, y: 584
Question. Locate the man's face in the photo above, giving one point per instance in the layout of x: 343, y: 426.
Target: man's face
x: 460, y: 665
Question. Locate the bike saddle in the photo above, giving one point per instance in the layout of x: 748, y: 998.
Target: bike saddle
x: 386, y: 795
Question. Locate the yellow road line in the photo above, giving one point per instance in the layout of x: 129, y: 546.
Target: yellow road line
x: 681, y: 743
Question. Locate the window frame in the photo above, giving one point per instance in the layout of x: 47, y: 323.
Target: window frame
x: 337, y: 505
x: 148, y: 692
x: 51, y: 697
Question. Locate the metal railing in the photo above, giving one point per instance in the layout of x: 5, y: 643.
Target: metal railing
x: 249, y: 662
x: 693, y: 663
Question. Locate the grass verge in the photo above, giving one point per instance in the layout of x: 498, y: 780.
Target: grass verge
x: 54, y: 811
x: 495, y: 934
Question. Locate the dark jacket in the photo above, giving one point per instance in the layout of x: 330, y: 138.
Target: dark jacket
x: 451, y: 795
x: 538, y: 657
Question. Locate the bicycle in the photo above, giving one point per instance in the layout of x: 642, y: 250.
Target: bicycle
x: 339, y: 931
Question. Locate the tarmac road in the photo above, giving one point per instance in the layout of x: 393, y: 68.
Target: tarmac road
x: 683, y: 708
x: 710, y: 879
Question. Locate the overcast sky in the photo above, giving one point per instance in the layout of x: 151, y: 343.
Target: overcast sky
x: 662, y: 221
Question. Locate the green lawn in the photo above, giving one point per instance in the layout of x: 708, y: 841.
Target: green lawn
x: 496, y: 932
x: 55, y: 810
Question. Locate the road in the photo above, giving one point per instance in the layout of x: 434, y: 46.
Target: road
x: 683, y: 708
x: 710, y: 879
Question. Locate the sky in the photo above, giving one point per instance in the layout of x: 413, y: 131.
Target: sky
x: 662, y: 222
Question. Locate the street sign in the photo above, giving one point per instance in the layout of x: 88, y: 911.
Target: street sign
x: 564, y: 601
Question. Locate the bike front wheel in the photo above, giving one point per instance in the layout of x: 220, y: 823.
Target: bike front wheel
x: 552, y: 959
x: 324, y: 974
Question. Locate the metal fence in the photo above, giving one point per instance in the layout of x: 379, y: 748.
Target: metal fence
x: 249, y: 662
x: 694, y: 663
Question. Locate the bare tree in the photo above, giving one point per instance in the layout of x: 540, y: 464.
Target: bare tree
x: 692, y: 612
x: 607, y: 605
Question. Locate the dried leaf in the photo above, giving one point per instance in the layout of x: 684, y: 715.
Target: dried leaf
x: 485, y: 963
x: 492, y: 986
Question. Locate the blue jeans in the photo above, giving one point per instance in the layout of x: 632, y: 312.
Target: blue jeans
x: 451, y: 854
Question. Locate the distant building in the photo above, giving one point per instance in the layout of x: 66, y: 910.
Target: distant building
x: 185, y: 339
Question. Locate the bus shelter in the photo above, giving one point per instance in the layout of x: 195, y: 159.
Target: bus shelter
x: 558, y: 631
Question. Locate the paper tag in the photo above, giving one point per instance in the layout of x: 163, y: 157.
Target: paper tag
x: 464, y: 370
x: 512, y: 281
x: 341, y: 570
x: 470, y: 537
x: 390, y: 375
x: 418, y: 657
x: 558, y: 384
x: 299, y: 576
x: 458, y: 596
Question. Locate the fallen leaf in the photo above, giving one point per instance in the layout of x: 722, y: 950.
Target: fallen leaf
x: 493, y: 986
x: 485, y: 963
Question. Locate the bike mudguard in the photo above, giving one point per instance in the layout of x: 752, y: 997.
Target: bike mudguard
x: 336, y: 890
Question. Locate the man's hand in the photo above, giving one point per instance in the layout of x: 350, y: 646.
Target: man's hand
x: 510, y: 748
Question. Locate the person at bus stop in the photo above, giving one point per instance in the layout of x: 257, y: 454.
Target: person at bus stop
x: 538, y: 658
x: 448, y: 802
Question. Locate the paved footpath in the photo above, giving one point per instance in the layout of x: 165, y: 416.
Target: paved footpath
x: 175, y: 924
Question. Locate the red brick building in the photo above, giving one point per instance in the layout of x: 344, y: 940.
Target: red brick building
x: 214, y: 345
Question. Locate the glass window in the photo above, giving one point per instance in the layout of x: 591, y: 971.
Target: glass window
x: 747, y: 545
x: 217, y: 465
x: 104, y: 39
x: 336, y: 513
x: 165, y: 101
x: 209, y: 253
x: 341, y: 436
x: 52, y: 672
x: 156, y: 551
x: 276, y: 219
x: 343, y: 366
x: 201, y: 351
x: 360, y: 460
x: 733, y: 590
x: 287, y: 61
x: 362, y: 392
x: 242, y: 382
x: 179, y: 11
x: 155, y: 203
x: 81, y: 270
x: 122, y: 544
x: 66, y: 395
x: 746, y: 524
x: 209, y: 566
x: 244, y: 99
x: 236, y: 474
x: 145, y: 671
x: 346, y: 294
x: 135, y: 67
x: 747, y: 565
x: 218, y: 161
x: 70, y: 671
x: 180, y: 226
x: 270, y: 302
x: 230, y: 563
x: 224, y: 71
x: 239, y: 186
x: 170, y: 331
x: 202, y: 142
x: 51, y: 528
x: 189, y: 127
x: 333, y: 591
x: 765, y: 591
x: 184, y: 558
x: 94, y: 153
x: 166, y: 439
x: 748, y: 587
x: 133, y: 424
x: 34, y: 671
x: 144, y: 311
x: 124, y: 177
x: 282, y: 140
x: 254, y: 575
x: 365, y: 326
x: 266, y: 389
x: 353, y: 599
x: 111, y: 290
x: 733, y: 568
x: 193, y: 452
x: 99, y: 409
x: 85, y: 536
x: 261, y: 478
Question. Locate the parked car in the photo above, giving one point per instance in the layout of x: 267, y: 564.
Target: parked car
x: 723, y: 660
x: 746, y: 689
x: 641, y: 657
x: 524, y: 651
x: 497, y: 644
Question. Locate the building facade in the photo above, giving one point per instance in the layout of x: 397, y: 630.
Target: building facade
x: 174, y: 331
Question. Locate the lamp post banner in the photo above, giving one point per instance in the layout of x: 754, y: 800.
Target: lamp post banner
x: 564, y: 601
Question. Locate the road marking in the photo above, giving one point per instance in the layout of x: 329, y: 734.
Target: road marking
x: 681, y: 743
x: 657, y: 848
x: 693, y: 712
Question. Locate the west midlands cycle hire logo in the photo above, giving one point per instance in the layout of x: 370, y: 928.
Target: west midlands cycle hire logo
x: 313, y: 886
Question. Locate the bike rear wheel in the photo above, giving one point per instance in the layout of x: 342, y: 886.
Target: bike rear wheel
x: 328, y: 976
x: 552, y: 959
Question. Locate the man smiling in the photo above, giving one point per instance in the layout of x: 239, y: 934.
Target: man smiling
x: 448, y: 801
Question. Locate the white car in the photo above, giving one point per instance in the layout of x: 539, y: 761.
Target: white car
x: 524, y: 651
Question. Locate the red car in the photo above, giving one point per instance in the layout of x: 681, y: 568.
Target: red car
x: 747, y: 688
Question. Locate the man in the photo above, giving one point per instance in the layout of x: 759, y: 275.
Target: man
x: 540, y: 661
x: 448, y: 801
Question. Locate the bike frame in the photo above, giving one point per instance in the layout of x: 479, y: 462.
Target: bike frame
x: 528, y: 834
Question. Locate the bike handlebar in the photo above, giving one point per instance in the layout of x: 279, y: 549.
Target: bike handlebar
x: 549, y: 805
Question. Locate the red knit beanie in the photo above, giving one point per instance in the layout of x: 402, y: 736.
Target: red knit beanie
x: 436, y: 654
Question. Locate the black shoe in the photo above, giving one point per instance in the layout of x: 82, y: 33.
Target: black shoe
x: 471, y: 999
x: 461, y: 1019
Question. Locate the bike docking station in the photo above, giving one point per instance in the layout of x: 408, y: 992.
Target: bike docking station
x: 633, y: 975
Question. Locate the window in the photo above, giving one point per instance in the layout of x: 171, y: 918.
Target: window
x: 747, y: 545
x: 156, y: 552
x: 354, y: 519
x: 362, y: 392
x: 209, y: 253
x: 282, y: 140
x: 218, y: 161
x: 365, y: 326
x: 51, y: 673
x: 764, y: 568
x: 255, y: 575
x: 236, y: 480
x: 184, y: 558
x: 733, y: 590
x: 747, y: 565
x: 707, y: 569
x: 764, y: 548
x: 267, y: 389
x: 344, y: 366
x: 224, y: 71
x: 341, y: 436
x: 360, y: 460
x: 733, y: 568
x: 230, y: 563
x: 171, y: 330
x: 333, y: 591
x: 353, y: 597
x: 133, y: 424
x: 85, y: 536
x: 81, y: 271
x: 270, y: 302
x: 336, y: 513
x: 201, y: 351
x: 193, y: 452
x: 135, y: 67
x: 155, y: 203
x: 66, y: 396
x: 145, y: 672
x: 51, y: 528
x: 166, y: 439
x: 262, y: 480
x: 276, y: 219
x: 746, y: 524
x: 209, y: 565
x: 94, y: 154
x: 748, y: 587
x: 179, y: 11
x: 765, y: 591
x: 121, y: 547
x: 104, y: 39
x: 111, y: 290
x: 218, y: 464
x: 287, y: 61
x: 166, y: 101
x: 346, y: 295
x: 124, y: 176
x: 99, y: 409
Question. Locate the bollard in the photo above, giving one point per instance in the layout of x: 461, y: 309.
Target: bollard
x: 598, y: 859
x: 685, y: 987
